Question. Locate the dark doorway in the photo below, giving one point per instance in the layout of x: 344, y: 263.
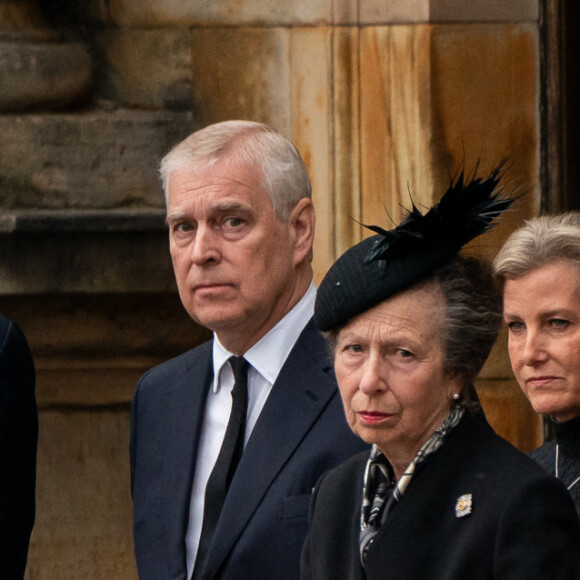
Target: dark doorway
x: 560, y: 94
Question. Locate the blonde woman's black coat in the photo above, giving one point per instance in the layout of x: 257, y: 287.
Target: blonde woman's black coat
x: 522, y: 525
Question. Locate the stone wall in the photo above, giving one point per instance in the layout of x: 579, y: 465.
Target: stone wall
x: 383, y: 98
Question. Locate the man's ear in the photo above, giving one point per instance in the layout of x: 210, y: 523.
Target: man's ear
x: 301, y: 223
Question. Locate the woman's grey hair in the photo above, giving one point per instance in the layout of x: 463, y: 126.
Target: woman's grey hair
x: 284, y: 174
x: 539, y: 242
x: 473, y: 316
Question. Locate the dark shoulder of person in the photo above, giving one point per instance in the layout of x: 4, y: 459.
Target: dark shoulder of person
x: 18, y: 441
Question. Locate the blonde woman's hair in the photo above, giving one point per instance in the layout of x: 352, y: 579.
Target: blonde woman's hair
x: 539, y: 242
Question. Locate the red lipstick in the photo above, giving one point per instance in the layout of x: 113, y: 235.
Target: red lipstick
x: 372, y: 417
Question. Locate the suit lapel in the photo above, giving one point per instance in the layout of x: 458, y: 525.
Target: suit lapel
x: 186, y: 404
x: 304, y: 388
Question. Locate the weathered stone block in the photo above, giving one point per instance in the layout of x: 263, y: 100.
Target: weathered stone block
x: 346, y: 12
x: 43, y: 75
x: 242, y: 73
x: 422, y: 11
x: 96, y: 159
x: 92, y: 262
x: 310, y: 95
x: 488, y: 112
x: 427, y: 111
x: 395, y: 11
x: 484, y: 10
x: 80, y: 341
x: 83, y: 524
x: 155, y: 13
x: 149, y: 69
x: 346, y: 114
x: 83, y: 251
x: 396, y: 121
x: 109, y: 328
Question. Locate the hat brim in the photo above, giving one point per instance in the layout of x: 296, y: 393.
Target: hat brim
x: 353, y: 285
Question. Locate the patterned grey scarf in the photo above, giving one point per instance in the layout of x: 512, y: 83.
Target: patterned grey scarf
x: 379, y: 481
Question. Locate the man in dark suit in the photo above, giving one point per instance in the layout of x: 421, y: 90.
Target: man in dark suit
x: 241, y: 228
x: 18, y: 439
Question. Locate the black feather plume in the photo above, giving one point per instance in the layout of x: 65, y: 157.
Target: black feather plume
x: 465, y: 211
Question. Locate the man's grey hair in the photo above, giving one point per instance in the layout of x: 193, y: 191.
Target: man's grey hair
x: 539, y: 242
x: 284, y: 174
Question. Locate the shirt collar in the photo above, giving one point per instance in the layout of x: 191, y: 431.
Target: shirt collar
x: 269, y: 354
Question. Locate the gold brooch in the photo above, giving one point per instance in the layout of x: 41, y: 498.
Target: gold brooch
x: 463, y: 506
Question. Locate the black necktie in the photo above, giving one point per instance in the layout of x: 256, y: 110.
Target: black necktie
x: 227, y: 461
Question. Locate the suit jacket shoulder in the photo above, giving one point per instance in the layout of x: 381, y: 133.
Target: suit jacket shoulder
x: 300, y: 434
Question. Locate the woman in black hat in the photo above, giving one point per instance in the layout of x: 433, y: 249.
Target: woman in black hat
x: 410, y: 322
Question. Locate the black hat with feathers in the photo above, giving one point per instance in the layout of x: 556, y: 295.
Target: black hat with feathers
x: 394, y: 260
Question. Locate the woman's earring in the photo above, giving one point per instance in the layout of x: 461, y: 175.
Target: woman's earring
x: 455, y: 396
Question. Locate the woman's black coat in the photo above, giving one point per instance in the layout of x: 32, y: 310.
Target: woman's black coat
x: 522, y: 525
